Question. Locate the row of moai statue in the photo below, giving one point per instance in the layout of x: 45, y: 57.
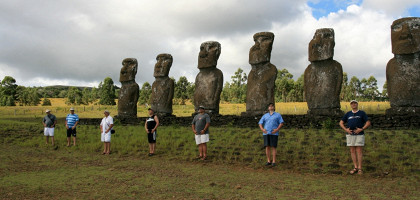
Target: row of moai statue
x: 322, y: 78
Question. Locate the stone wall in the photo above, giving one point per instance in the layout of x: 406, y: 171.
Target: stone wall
x: 291, y: 121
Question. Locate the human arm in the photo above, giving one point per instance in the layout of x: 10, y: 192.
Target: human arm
x: 75, y: 124
x: 278, y: 128
x: 109, y: 128
x: 157, y: 124
x: 145, y: 126
x: 193, y: 128
x: 262, y: 128
x: 344, y: 127
x: 67, y: 126
x: 55, y: 122
x: 358, y: 130
x: 205, y: 128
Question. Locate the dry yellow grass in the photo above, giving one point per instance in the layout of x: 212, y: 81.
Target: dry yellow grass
x: 61, y: 109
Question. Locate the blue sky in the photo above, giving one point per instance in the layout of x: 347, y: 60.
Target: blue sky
x: 321, y: 8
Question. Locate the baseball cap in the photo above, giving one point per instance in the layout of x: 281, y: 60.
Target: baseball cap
x: 48, y: 111
x: 106, y: 111
x: 72, y: 108
x: 200, y: 107
x: 353, y: 101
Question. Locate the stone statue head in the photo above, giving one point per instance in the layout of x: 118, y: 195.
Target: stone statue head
x: 129, y: 70
x: 163, y: 65
x: 322, y: 45
x: 261, y: 51
x: 405, y: 35
x: 209, y: 54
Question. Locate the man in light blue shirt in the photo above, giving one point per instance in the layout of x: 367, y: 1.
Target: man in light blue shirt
x: 71, y: 122
x: 270, y: 125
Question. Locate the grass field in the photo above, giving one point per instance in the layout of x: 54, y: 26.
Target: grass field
x: 312, y: 164
x: 60, y: 109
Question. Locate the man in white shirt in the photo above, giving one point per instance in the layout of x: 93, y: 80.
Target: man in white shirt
x: 106, y: 126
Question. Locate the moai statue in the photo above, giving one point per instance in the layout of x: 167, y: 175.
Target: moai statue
x: 324, y: 76
x: 129, y: 92
x: 262, y: 77
x: 163, y: 87
x: 209, y: 81
x: 403, y: 71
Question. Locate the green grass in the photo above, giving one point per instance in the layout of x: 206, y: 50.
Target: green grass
x: 309, y: 151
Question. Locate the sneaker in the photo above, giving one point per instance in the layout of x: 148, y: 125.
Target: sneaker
x: 273, y: 164
x: 268, y: 164
x: 150, y: 154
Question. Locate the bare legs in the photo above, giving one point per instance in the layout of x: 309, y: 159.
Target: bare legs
x: 52, y: 140
x: 357, y: 156
x: 107, y: 148
x: 202, y: 148
x: 152, y: 147
x: 271, y: 151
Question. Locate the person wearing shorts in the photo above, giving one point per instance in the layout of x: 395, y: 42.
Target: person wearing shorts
x: 71, y: 122
x: 357, y: 121
x: 152, y: 122
x: 200, y: 126
x: 106, y: 126
x: 49, y: 122
x: 270, y: 124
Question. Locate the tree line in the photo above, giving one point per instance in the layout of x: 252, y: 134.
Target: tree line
x: 234, y: 91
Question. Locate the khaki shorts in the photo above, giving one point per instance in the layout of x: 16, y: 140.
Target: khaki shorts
x: 355, y: 140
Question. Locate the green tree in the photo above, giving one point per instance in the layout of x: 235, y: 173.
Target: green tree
x: 370, y: 88
x: 183, y: 89
x: 34, y: 99
x: 354, y: 88
x: 385, y: 91
x: 74, y: 96
x: 284, y: 83
x: 8, y: 91
x: 107, y: 92
x: 86, y: 96
x: 46, y: 101
x: 296, y: 94
x: 145, y: 93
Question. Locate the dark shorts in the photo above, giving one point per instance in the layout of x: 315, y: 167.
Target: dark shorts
x: 270, y: 140
x: 71, y: 132
x: 151, y: 137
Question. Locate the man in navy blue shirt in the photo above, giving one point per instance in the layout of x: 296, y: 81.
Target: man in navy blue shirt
x: 357, y: 121
x: 270, y: 125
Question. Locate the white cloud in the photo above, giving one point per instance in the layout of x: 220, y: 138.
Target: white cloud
x: 391, y: 8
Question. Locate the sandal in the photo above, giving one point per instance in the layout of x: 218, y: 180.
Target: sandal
x: 360, y: 172
x: 353, y: 170
x: 198, y: 157
x: 204, y: 158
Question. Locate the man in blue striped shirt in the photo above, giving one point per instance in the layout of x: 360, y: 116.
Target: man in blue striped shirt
x: 270, y: 125
x: 71, y: 122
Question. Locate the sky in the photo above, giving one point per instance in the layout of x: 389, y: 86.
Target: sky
x: 79, y: 42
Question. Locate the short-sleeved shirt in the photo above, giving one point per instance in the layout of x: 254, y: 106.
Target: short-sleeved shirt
x: 355, y: 120
x: 106, y: 123
x: 49, y: 120
x: 72, y: 119
x: 200, y: 121
x: 271, y: 122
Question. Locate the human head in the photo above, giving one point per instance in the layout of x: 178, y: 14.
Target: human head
x: 321, y: 47
x: 151, y: 111
x: 48, y: 112
x: 209, y: 54
x: 163, y: 65
x: 129, y: 70
x: 106, y: 113
x: 72, y: 110
x: 201, y: 109
x: 271, y: 107
x: 260, y: 52
x: 405, y: 35
x: 354, y: 104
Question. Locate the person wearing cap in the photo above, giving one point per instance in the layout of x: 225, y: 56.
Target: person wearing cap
x: 49, y: 122
x: 71, y: 122
x: 106, y: 126
x: 200, y: 126
x: 357, y: 121
x: 152, y: 122
x: 270, y: 124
